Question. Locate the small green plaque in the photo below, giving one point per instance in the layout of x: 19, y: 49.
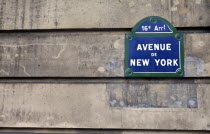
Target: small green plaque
x: 154, y: 49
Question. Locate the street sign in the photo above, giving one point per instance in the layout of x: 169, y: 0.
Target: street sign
x: 154, y: 49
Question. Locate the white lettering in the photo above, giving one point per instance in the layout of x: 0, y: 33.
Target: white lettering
x: 145, y: 46
x: 139, y: 47
x: 163, y: 62
x: 166, y: 62
x: 162, y: 47
x: 138, y: 62
x: 168, y: 46
x: 132, y: 62
x: 152, y: 47
x: 175, y: 62
x: 156, y: 46
x: 156, y: 28
x: 157, y: 61
x: 145, y: 62
x: 169, y: 62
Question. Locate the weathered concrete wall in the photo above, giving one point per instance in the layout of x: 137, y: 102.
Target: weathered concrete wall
x: 61, y: 14
x: 85, y: 54
x: 88, y: 104
x: 83, y: 41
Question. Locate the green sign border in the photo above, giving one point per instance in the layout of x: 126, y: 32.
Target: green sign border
x: 129, y: 36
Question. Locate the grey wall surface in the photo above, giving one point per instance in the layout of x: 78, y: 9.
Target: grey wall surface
x: 61, y: 68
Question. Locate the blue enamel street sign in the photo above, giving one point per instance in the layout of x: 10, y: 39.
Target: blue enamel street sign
x: 154, y: 49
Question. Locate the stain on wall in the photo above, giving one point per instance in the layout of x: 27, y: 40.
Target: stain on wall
x: 153, y: 95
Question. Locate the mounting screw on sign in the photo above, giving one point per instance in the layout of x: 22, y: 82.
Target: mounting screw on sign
x: 129, y: 71
x: 154, y: 49
x: 129, y: 36
x: 179, y: 71
x: 153, y: 20
x: 178, y: 36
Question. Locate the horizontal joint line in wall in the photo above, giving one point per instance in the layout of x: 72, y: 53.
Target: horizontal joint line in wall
x: 179, y: 29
